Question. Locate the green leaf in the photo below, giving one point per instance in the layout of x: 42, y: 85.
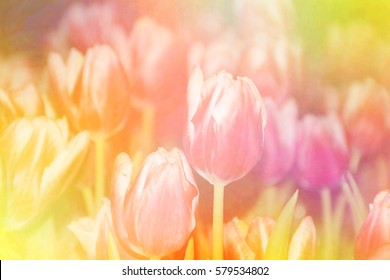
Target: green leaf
x: 278, y: 243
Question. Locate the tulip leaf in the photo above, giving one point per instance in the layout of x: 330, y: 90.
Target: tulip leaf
x: 278, y: 243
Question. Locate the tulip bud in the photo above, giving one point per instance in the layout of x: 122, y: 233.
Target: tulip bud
x: 85, y: 25
x: 235, y: 246
x: 157, y: 62
x: 92, y: 91
x: 258, y: 235
x: 322, y: 155
x: 223, y: 53
x: 40, y: 161
x: 225, y: 126
x: 274, y: 66
x: 279, y: 142
x: 156, y: 216
x: 93, y: 233
x: 366, y: 116
x: 373, y: 238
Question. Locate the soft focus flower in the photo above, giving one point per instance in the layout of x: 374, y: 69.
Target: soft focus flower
x: 373, y: 238
x: 19, y: 96
x: 156, y: 215
x: 263, y: 16
x: 222, y: 53
x: 248, y: 243
x: 93, y: 234
x: 96, y: 235
x: 85, y: 25
x: 40, y: 161
x: 366, y: 115
x: 226, y: 119
x: 258, y: 234
x: 279, y: 142
x: 156, y: 62
x: 235, y: 244
x: 322, y: 155
x: 274, y: 66
x: 91, y: 91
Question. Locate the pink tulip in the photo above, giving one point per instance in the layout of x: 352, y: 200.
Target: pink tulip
x: 366, y: 116
x: 373, y: 239
x: 279, y: 142
x: 262, y: 16
x: 85, y: 25
x: 226, y: 119
x: 223, y: 53
x: 91, y: 91
x: 156, y: 62
x: 274, y: 66
x: 156, y: 216
x: 322, y: 155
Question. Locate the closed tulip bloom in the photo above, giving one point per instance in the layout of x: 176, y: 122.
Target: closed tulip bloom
x: 223, y: 53
x: 258, y: 235
x: 274, y: 65
x: 322, y: 155
x: 157, y: 62
x: 85, y: 25
x: 279, y: 142
x: 156, y: 215
x: 225, y: 127
x: 366, y: 116
x: 93, y: 234
x: 40, y: 161
x: 91, y: 91
x: 373, y: 238
x: 235, y: 246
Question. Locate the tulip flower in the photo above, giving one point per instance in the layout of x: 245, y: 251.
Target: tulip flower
x: 91, y: 91
x: 223, y: 113
x: 279, y: 142
x: 258, y: 235
x: 373, y: 238
x: 234, y: 241
x: 267, y: 239
x: 224, y: 135
x: 40, y: 161
x: 223, y: 53
x: 85, y: 25
x: 156, y: 215
x: 155, y: 49
x: 366, y: 116
x: 262, y: 16
x: 274, y: 66
x: 322, y: 155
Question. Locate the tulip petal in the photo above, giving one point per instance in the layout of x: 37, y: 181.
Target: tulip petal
x: 258, y: 235
x: 120, y: 185
x: 303, y: 243
x: 63, y: 169
x: 235, y: 246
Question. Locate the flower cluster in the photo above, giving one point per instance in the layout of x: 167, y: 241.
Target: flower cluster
x: 186, y: 130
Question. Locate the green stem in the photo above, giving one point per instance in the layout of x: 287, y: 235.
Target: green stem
x: 327, y: 234
x: 99, y: 171
x: 218, y: 223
